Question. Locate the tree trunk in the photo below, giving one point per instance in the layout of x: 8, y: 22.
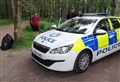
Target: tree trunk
x: 90, y: 6
x: 18, y: 16
x: 31, y: 7
x: 13, y: 8
x: 113, y: 6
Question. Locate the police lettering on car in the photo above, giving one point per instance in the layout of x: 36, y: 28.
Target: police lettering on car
x: 45, y: 38
x: 108, y: 49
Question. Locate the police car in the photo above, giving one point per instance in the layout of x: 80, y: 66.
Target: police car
x: 78, y: 42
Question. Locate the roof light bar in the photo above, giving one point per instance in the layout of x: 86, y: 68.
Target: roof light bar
x: 93, y: 14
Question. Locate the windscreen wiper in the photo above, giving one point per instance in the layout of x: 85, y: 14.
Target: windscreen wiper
x: 58, y: 29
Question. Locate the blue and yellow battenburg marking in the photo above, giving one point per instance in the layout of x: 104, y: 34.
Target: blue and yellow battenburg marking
x: 97, y: 42
x: 118, y: 33
x: 79, y: 45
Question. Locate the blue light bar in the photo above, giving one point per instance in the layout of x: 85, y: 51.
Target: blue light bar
x: 102, y: 14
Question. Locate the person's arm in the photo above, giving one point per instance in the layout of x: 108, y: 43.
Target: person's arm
x: 75, y: 14
x: 39, y: 20
x: 67, y: 17
x: 31, y: 22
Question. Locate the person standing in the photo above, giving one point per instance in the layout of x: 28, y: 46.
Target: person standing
x: 35, y: 23
x: 71, y: 13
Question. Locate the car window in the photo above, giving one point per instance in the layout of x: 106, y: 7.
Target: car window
x: 77, y: 25
x: 115, y: 23
x: 104, y: 24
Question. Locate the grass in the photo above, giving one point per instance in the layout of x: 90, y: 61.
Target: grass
x: 28, y: 35
x: 26, y: 40
x: 6, y: 21
x: 10, y: 21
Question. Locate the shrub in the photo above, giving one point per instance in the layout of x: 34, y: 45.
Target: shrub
x: 45, y: 26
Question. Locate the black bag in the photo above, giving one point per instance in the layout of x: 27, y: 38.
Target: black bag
x: 7, y: 42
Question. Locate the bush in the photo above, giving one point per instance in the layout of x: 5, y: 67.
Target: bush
x: 45, y: 26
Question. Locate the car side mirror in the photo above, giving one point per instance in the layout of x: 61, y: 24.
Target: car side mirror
x: 100, y: 32
x: 54, y: 26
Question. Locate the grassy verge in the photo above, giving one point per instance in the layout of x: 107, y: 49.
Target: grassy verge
x: 6, y: 21
x: 10, y: 21
x: 28, y: 35
x: 26, y: 40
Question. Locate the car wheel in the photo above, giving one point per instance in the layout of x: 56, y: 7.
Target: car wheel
x: 82, y: 62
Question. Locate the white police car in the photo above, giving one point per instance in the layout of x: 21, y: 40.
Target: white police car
x: 77, y: 42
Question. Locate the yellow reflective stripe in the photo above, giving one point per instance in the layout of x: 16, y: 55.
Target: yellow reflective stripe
x: 79, y: 45
x: 103, y: 41
x: 119, y: 20
x: 118, y: 34
x: 111, y: 26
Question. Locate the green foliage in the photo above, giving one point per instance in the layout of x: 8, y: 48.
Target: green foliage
x: 26, y: 41
x: 58, y: 8
x: 45, y: 26
x: 26, y: 6
x: 6, y: 21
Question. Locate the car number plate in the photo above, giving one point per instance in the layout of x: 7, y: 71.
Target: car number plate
x: 37, y: 54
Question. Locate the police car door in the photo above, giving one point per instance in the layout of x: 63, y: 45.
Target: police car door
x: 104, y: 40
x: 116, y: 27
x: 116, y: 30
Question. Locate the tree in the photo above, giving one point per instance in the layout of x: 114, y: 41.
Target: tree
x: 113, y: 6
x: 17, y: 14
x: 13, y: 8
x: 57, y: 8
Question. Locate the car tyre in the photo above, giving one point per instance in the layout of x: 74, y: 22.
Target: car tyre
x: 82, y: 61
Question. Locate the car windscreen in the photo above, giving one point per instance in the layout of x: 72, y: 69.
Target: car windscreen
x: 77, y: 25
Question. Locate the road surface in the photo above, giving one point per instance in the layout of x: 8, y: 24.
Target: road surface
x: 20, y: 67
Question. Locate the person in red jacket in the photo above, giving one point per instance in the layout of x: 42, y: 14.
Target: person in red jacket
x: 35, y: 23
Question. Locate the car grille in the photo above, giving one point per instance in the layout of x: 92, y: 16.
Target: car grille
x: 40, y: 47
x: 45, y: 62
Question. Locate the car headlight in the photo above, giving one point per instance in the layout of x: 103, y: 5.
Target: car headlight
x: 62, y: 50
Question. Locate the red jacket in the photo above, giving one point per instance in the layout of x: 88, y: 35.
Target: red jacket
x: 35, y: 21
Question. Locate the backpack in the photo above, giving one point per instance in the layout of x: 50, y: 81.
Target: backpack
x: 7, y: 42
x: 35, y: 21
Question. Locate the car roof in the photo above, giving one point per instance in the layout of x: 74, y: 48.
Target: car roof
x: 96, y: 17
x: 93, y: 17
x: 89, y: 17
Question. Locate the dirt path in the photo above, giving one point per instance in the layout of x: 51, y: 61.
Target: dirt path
x: 10, y: 29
